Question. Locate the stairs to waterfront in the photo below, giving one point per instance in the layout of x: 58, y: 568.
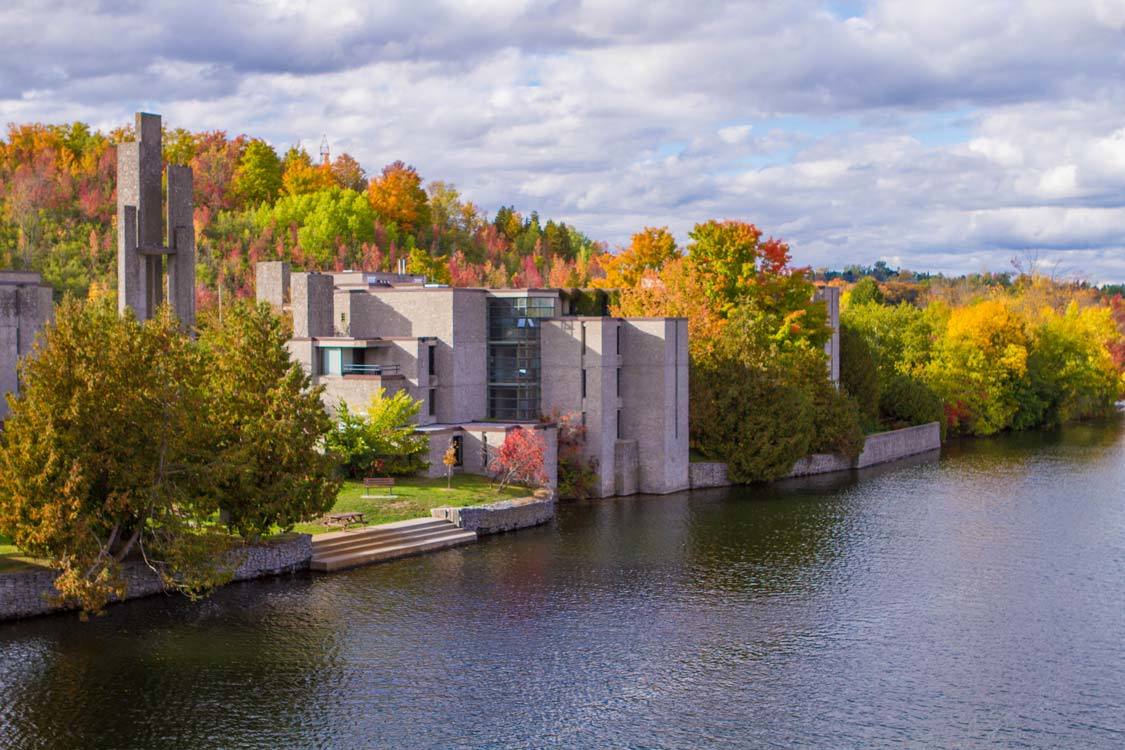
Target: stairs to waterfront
x: 347, y: 549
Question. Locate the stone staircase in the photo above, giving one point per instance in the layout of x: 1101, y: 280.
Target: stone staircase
x: 347, y: 549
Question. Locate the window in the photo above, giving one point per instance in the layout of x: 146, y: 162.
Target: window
x: 618, y: 424
x: 459, y: 449
x: 620, y: 332
x: 433, y: 401
x: 432, y: 367
x: 583, y: 339
x: 617, y: 377
x: 484, y: 450
x: 583, y: 382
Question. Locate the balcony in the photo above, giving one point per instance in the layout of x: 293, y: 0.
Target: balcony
x: 380, y: 370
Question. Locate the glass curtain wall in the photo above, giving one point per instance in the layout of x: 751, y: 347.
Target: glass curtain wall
x: 513, y: 355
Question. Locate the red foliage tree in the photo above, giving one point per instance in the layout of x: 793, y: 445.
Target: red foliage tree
x: 521, y: 459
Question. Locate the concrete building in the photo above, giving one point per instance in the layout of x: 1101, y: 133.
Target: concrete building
x: 831, y: 297
x: 482, y: 361
x: 25, y: 307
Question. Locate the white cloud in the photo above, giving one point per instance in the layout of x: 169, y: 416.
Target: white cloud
x: 613, y: 115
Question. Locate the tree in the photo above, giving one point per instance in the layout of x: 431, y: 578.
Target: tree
x: 257, y: 179
x: 521, y: 458
x: 398, y: 197
x: 859, y: 374
x: 349, y: 174
x: 866, y: 291
x: 269, y: 424
x: 382, y: 439
x: 300, y: 175
x: 449, y: 459
x: 733, y: 263
x: 649, y: 250
x: 322, y: 222
x: 105, y: 455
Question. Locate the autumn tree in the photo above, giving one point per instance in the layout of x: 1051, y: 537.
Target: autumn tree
x: 257, y: 179
x: 521, y: 459
x: 105, y: 455
x: 301, y: 176
x: 348, y: 173
x: 268, y: 423
x: 649, y: 250
x: 398, y: 197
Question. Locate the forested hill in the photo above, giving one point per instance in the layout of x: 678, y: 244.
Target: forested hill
x: 58, y: 183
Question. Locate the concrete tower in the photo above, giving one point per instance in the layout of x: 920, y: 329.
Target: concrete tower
x: 145, y: 255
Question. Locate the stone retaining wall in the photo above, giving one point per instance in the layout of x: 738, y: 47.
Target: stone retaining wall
x: 708, y: 474
x: 506, y: 515
x: 23, y: 594
x: 878, y: 448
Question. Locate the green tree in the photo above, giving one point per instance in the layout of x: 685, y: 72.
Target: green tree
x: 104, y: 455
x: 269, y: 424
x: 380, y: 440
x: 325, y: 220
x: 257, y: 179
x: 866, y: 291
x: 859, y: 374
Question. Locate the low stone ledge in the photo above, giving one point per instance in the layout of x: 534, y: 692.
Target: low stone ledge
x: 506, y: 515
x: 708, y: 474
x: 878, y: 448
x: 25, y: 593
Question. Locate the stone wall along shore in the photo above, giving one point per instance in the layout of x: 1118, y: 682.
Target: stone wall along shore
x: 25, y: 593
x: 879, y: 448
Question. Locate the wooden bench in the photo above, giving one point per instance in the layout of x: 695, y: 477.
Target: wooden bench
x: 384, y: 483
x: 343, y: 519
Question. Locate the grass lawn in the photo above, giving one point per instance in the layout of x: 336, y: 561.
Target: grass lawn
x: 12, y: 560
x: 414, y: 497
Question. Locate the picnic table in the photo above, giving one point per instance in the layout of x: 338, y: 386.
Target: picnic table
x: 343, y: 519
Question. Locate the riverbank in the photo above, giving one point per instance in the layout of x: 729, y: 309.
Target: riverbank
x: 26, y: 593
x: 971, y: 601
x: 880, y: 447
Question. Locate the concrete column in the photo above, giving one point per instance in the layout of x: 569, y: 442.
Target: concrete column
x: 181, y: 238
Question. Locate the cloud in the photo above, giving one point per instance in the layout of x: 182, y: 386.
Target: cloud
x: 943, y: 135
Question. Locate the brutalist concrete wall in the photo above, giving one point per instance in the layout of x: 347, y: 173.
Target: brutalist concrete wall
x: 708, y: 474
x: 312, y: 305
x: 654, y: 398
x: 831, y: 297
x: 271, y: 282
x: 25, y: 307
x: 625, y: 467
x: 26, y: 594
x: 506, y: 515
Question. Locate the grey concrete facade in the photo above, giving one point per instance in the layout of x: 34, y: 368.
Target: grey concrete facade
x: 626, y: 378
x: 153, y: 267
x: 831, y: 297
x: 25, y: 307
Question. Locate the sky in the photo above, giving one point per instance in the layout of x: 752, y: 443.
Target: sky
x: 945, y: 136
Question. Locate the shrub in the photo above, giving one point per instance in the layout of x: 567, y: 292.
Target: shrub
x: 380, y: 441
x: 859, y: 375
x: 577, y: 473
x: 906, y: 399
x: 837, y: 426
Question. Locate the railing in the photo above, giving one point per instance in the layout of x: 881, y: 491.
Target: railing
x: 371, y: 369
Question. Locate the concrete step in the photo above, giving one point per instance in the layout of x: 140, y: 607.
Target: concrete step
x: 375, y: 535
x: 398, y: 539
x: 390, y: 550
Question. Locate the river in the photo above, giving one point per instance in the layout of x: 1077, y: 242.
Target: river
x: 976, y: 600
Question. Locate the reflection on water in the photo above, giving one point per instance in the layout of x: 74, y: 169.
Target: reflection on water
x: 976, y: 600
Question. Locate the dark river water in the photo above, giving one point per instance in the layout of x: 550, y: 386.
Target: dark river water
x: 973, y: 601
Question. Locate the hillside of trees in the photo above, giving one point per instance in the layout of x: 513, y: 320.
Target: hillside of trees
x: 57, y: 216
